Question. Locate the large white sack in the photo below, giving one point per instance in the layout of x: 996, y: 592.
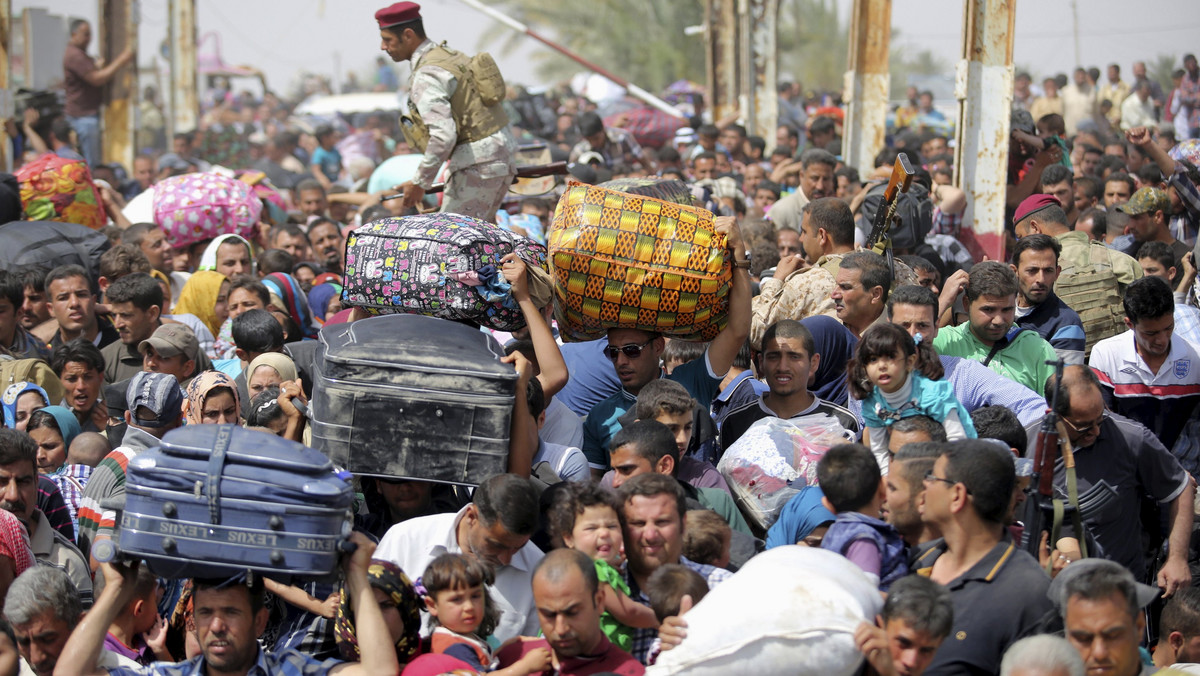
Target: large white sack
x: 790, y: 611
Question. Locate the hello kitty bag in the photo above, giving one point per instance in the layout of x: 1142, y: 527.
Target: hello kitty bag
x: 440, y: 265
x: 195, y: 207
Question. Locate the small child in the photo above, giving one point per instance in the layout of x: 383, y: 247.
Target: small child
x: 896, y: 377
x: 326, y: 160
x: 854, y: 490
x: 667, y: 587
x: 584, y: 517
x: 464, y: 615
x: 88, y: 449
x: 706, y: 538
x: 138, y: 633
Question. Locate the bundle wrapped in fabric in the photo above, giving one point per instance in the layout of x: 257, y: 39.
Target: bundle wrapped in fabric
x: 194, y: 207
x: 797, y: 625
x: 625, y: 261
x: 667, y: 190
x: 439, y: 265
x: 54, y: 188
x: 769, y: 464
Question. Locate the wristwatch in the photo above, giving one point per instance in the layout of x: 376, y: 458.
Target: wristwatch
x: 744, y: 264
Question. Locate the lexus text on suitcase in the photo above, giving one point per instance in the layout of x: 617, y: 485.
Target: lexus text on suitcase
x: 216, y: 499
x: 413, y: 396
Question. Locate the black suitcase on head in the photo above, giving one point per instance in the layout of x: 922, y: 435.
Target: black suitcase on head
x: 412, y: 396
x: 215, y: 500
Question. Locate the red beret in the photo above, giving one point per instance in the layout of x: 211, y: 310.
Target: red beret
x: 400, y: 12
x: 1033, y: 204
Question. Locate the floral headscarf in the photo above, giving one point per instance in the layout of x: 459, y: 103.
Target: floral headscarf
x: 197, y: 392
x: 199, y: 297
x: 391, y: 580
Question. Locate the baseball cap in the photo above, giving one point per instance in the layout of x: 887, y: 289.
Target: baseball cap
x: 1144, y: 592
x: 1146, y: 200
x: 1033, y: 204
x: 159, y: 393
x: 169, y: 340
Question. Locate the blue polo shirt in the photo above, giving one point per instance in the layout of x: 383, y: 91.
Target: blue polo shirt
x: 1055, y: 321
x: 603, y: 422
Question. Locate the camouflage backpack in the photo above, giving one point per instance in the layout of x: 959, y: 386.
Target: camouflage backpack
x: 1092, y: 291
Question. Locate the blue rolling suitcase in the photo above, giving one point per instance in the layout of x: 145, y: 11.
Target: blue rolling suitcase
x: 214, y: 500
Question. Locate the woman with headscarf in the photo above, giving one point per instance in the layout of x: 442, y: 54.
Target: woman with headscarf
x: 803, y: 520
x: 325, y: 300
x: 269, y: 369
x: 209, y: 260
x: 401, y: 607
x: 20, y: 401
x: 287, y: 295
x: 212, y: 398
x: 835, y: 344
x: 205, y: 296
x: 53, y: 428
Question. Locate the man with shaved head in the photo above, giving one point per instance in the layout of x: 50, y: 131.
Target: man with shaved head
x: 569, y: 603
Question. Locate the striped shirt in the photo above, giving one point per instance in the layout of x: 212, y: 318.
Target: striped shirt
x: 286, y: 663
x: 1161, y: 401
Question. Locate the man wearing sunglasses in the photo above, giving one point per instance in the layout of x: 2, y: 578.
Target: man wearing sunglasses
x: 1117, y: 460
x: 637, y: 355
x: 967, y: 498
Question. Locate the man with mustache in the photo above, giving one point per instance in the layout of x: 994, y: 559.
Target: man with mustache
x: 328, y: 244
x: 1035, y: 260
x: 18, y: 496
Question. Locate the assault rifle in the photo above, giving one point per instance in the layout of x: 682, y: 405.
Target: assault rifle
x: 533, y: 171
x: 879, y: 241
x: 1043, y: 512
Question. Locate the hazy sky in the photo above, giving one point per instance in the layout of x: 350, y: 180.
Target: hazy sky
x: 284, y: 37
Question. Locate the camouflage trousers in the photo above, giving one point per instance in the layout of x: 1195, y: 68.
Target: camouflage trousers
x: 470, y: 194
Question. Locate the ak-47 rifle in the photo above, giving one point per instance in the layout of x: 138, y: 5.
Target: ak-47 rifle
x: 1043, y: 512
x: 879, y: 241
x: 532, y: 171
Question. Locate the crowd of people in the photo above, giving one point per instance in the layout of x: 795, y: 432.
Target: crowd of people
x: 935, y: 368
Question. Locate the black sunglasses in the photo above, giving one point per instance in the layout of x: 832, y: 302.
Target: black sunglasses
x: 632, y: 350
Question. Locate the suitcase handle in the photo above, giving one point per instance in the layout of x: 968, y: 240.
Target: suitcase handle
x: 216, y: 463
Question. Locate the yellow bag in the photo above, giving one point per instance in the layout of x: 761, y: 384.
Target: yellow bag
x: 631, y: 262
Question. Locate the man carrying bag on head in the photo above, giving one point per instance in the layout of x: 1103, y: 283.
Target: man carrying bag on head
x: 455, y: 115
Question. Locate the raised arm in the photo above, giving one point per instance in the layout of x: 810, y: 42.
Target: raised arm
x: 724, y: 348
x: 374, y: 640
x: 551, y: 365
x: 83, y: 648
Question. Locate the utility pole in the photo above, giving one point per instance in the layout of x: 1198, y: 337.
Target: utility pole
x: 721, y: 52
x: 5, y: 66
x: 867, y: 82
x: 185, y: 107
x: 983, y: 86
x: 118, y: 29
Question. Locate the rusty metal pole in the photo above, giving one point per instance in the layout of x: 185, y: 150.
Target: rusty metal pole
x: 867, y: 83
x: 118, y: 28
x: 983, y: 86
x: 185, y: 107
x: 5, y: 65
x: 761, y: 108
x: 721, y: 21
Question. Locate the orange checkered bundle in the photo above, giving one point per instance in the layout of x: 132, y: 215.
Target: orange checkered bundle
x: 623, y: 261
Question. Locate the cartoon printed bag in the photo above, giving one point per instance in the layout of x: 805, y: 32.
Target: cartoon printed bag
x: 195, y: 207
x: 627, y: 261
x: 440, y: 265
x: 54, y: 188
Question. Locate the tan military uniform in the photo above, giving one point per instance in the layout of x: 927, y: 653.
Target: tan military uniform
x: 803, y: 294
x: 904, y: 274
x: 481, y: 171
x: 1075, y: 246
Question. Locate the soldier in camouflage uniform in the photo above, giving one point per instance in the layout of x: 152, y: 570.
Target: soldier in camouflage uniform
x: 461, y: 128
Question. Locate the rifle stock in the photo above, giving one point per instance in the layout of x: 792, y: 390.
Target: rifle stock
x: 898, y: 182
x: 1039, y: 502
x: 531, y: 171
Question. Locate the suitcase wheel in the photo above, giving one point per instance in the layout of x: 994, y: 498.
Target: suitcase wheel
x: 276, y: 557
x: 168, y: 545
x: 169, y: 510
x: 276, y: 522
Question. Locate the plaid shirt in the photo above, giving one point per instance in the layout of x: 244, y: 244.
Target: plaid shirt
x: 286, y: 663
x: 643, y: 639
x: 1187, y: 324
x: 25, y: 345
x: 945, y: 224
x: 71, y: 480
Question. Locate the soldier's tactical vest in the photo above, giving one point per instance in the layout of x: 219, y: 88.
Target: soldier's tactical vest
x: 475, y: 104
x: 1092, y: 291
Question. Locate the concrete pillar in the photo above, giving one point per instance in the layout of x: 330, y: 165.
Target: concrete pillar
x: 867, y: 83
x: 117, y: 29
x: 185, y: 106
x: 983, y: 86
